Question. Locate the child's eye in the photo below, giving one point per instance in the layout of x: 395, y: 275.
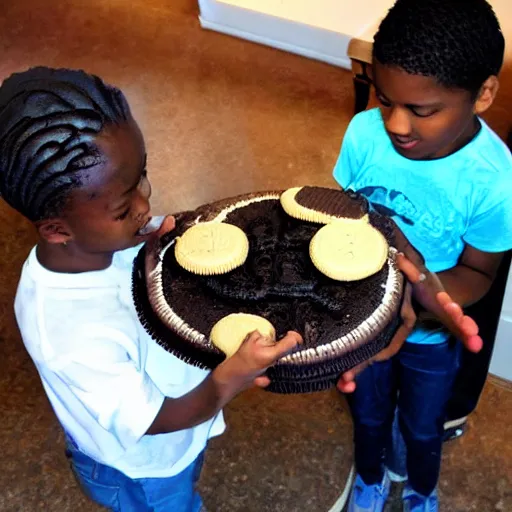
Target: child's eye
x: 423, y: 112
x: 123, y: 215
x: 382, y: 101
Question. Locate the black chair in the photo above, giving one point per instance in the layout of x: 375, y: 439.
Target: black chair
x: 475, y: 367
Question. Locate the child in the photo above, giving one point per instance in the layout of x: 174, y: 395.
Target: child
x: 137, y: 419
x: 427, y: 159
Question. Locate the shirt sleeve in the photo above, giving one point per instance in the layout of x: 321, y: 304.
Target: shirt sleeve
x: 111, y: 383
x: 490, y: 227
x: 349, y: 160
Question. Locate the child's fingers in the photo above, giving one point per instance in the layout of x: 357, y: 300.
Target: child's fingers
x: 168, y: 225
x: 287, y: 344
x: 410, y: 270
x: 467, y: 327
x: 407, y: 311
x: 465, y: 323
x: 346, y: 387
x: 153, y: 243
x: 262, y: 382
x: 252, y: 337
x: 454, y: 310
x: 444, y: 299
x: 349, y: 376
x: 347, y: 381
x: 474, y: 343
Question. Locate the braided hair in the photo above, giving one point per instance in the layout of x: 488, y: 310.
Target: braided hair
x: 457, y: 42
x: 49, y: 119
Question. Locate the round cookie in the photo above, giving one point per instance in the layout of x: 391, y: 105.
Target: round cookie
x: 230, y: 332
x: 348, y: 251
x: 212, y: 248
x: 323, y: 205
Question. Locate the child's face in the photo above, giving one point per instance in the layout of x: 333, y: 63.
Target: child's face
x: 423, y: 119
x: 105, y: 214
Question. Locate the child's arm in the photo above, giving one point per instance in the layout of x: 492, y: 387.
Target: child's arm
x: 471, y: 279
x: 231, y: 377
x: 235, y: 374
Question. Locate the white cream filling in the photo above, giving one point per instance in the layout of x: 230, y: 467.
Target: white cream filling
x: 374, y: 324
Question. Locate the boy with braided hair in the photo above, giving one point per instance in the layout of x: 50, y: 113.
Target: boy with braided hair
x: 137, y: 419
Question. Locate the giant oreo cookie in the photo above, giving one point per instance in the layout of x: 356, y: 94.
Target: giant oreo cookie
x: 342, y: 323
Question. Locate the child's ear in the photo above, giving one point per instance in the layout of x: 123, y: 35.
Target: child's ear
x: 54, y: 231
x: 486, y: 95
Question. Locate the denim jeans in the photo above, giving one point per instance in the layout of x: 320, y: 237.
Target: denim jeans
x: 417, y: 381
x: 116, y: 491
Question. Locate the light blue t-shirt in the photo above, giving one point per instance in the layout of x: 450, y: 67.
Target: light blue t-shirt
x: 440, y: 205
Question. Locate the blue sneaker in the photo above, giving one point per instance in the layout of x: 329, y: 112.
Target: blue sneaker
x: 414, y: 502
x: 369, y: 498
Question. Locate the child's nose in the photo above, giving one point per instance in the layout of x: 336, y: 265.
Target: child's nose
x: 141, y: 199
x: 397, y: 121
x: 144, y: 188
x: 141, y: 210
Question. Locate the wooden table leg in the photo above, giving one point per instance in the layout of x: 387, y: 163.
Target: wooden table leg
x: 362, y: 85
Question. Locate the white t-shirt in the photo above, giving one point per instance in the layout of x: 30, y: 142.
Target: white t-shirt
x: 106, y: 378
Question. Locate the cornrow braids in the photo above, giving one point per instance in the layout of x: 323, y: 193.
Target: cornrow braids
x: 49, y: 119
x: 457, y: 42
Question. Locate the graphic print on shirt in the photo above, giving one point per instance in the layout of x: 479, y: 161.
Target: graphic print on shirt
x: 430, y: 222
x: 397, y: 203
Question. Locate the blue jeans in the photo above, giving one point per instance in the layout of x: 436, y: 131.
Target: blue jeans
x: 417, y: 381
x: 112, y: 489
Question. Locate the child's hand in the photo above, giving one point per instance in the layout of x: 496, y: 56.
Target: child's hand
x: 152, y: 244
x: 168, y: 225
x: 429, y: 292
x: 346, y: 383
x: 232, y: 376
x: 247, y: 366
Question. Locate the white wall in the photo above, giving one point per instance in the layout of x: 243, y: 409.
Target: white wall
x: 345, y: 17
x: 501, y: 364
x: 349, y: 17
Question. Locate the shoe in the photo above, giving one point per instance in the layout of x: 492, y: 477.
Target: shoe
x: 395, y: 477
x: 454, y: 429
x: 369, y: 498
x: 414, y: 502
x: 454, y: 433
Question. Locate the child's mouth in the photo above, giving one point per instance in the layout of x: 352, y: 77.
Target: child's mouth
x: 152, y: 225
x: 404, y: 143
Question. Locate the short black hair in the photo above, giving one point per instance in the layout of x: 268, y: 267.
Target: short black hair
x: 457, y: 42
x: 49, y: 119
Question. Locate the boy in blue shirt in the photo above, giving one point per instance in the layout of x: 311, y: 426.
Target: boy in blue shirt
x: 427, y: 159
